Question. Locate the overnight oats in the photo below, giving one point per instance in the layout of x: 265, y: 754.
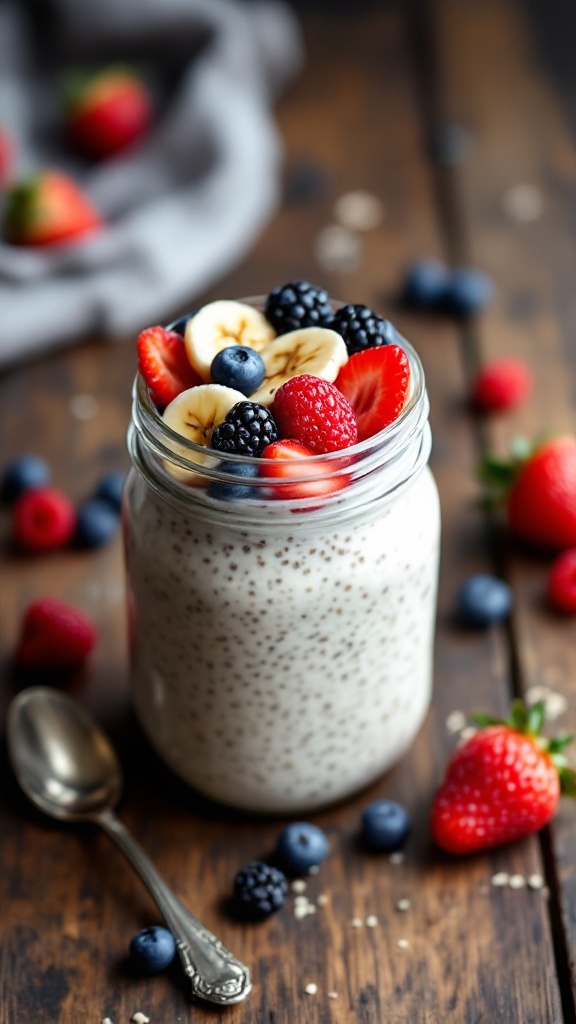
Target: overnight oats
x: 282, y: 542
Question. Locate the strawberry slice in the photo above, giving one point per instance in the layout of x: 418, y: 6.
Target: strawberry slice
x: 375, y: 382
x: 288, y: 461
x: 164, y: 365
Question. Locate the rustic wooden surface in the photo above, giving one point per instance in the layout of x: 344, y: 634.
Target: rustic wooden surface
x: 377, y: 87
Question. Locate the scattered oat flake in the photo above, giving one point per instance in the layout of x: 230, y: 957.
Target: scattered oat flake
x: 402, y: 943
x: 322, y: 900
x: 84, y: 407
x: 301, y: 911
x: 298, y: 885
x: 332, y: 995
x: 311, y: 989
x: 535, y: 881
x: 396, y: 858
x: 140, y: 1018
x: 356, y: 922
x: 337, y: 249
x: 107, y: 1020
x: 500, y: 878
x: 517, y: 882
x: 403, y: 904
x: 523, y: 203
x: 301, y: 901
x: 358, y: 210
x: 371, y: 921
x: 468, y: 733
x: 456, y: 721
x: 556, y: 705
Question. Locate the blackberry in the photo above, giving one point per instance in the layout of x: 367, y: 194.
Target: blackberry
x: 362, y: 328
x: 260, y: 889
x: 247, y: 429
x: 298, y: 304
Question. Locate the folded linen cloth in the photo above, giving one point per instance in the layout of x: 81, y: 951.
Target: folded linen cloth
x: 183, y: 206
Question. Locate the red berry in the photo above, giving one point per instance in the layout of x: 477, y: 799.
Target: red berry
x: 541, y: 503
x: 43, y: 519
x: 288, y: 461
x: 501, y: 784
x: 376, y: 383
x: 314, y: 412
x: 6, y: 156
x: 562, y: 582
x: 54, y: 635
x: 164, y: 365
x: 46, y: 209
x: 108, y: 113
x: 501, y: 384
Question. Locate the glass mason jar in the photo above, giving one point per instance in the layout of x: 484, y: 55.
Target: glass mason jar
x: 282, y: 628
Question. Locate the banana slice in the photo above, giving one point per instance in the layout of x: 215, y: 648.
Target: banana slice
x: 316, y: 350
x: 221, y: 324
x: 195, y: 414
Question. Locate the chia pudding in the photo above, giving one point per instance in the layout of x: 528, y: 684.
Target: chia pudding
x: 281, y: 648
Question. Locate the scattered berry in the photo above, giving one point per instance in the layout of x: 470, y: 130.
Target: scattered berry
x: 288, y: 461
x: 298, y: 304
x: 425, y: 284
x: 110, y: 489
x: 96, y: 523
x: 300, y: 847
x: 6, y: 156
x: 164, y: 365
x: 48, y: 208
x: 107, y: 112
x: 562, y: 582
x: 234, y: 492
x: 152, y: 949
x: 385, y: 825
x: 483, y: 600
x: 54, y: 636
x: 501, y: 384
x: 376, y: 384
x: 501, y: 784
x: 315, y: 412
x: 43, y: 519
x: 468, y: 292
x: 361, y: 328
x: 22, y: 474
x: 259, y: 890
x: 238, y: 367
x: 247, y: 429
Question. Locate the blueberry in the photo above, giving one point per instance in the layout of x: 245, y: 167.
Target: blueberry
x: 483, y: 599
x: 233, y: 492
x: 300, y: 847
x: 110, y: 489
x: 179, y: 325
x: 96, y: 523
x: 152, y: 949
x: 425, y: 284
x: 238, y: 367
x: 22, y: 474
x: 468, y: 292
x: 385, y: 825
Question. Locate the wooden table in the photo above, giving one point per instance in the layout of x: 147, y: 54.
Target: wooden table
x: 377, y: 87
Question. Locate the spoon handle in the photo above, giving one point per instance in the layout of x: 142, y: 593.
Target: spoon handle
x: 216, y: 975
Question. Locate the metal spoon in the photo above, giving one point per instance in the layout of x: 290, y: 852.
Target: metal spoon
x: 66, y: 765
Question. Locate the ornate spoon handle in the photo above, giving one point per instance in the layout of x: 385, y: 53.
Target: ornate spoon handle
x: 216, y: 975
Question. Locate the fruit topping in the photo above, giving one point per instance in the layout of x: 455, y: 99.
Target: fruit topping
x: 46, y: 209
x: 152, y: 949
x: 97, y: 522
x: 315, y: 413
x: 318, y: 351
x: 362, y: 328
x: 164, y: 365
x: 238, y: 367
x: 107, y: 111
x: 301, y: 846
x: 501, y: 784
x: 247, y: 429
x: 376, y: 383
x: 501, y: 384
x: 234, y: 492
x: 483, y: 600
x: 259, y: 890
x: 43, y: 519
x: 221, y: 324
x: 561, y: 588
x: 54, y: 636
x: 298, y: 304
x: 21, y: 474
x: 196, y: 413
x: 288, y: 461
x: 385, y: 825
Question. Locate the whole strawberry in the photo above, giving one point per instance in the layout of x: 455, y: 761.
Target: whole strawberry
x: 46, y: 209
x: 538, y: 488
x: 502, y: 784
x: 107, y: 112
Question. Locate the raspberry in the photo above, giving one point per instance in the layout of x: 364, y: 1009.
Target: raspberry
x: 501, y: 384
x: 260, y: 889
x: 298, y: 304
x: 54, y: 635
x: 562, y: 582
x: 314, y: 412
x: 247, y: 430
x: 43, y: 519
x: 362, y: 328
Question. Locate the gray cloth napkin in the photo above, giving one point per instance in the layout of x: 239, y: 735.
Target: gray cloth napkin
x: 180, y: 209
